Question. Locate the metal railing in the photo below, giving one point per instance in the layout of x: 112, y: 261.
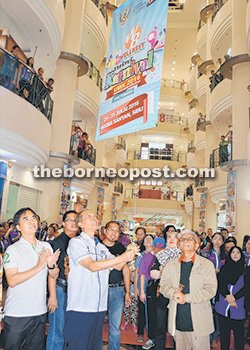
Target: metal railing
x: 64, y: 3
x: 215, y: 79
x: 85, y: 152
x: 172, y: 119
x: 160, y: 154
x: 122, y: 142
x: 19, y: 78
x: 191, y: 146
x: 177, y: 84
x: 93, y: 73
x: 199, y: 182
x: 221, y: 154
x: 118, y: 187
x: 200, y: 24
x: 217, y: 6
x: 101, y: 5
x: 165, y: 195
x: 200, y: 121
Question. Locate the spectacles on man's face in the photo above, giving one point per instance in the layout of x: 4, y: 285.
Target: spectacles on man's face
x: 113, y: 230
x: 71, y: 220
x: 187, y: 239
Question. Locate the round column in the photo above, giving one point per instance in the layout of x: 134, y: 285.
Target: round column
x: 241, y: 103
x: 63, y: 96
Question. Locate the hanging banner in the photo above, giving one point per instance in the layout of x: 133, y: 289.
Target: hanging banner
x: 132, y: 78
x: 203, y: 205
x: 113, y: 208
x: 100, y: 204
x: 231, y: 202
x: 65, y: 194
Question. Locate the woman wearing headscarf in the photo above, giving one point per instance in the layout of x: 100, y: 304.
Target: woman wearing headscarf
x: 230, y: 299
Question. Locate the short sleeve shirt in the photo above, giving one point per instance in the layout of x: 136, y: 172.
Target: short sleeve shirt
x: 116, y: 276
x: 29, y: 297
x: 61, y: 242
x: 146, y: 264
x: 87, y: 291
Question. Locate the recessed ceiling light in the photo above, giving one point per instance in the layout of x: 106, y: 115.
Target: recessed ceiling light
x: 172, y: 103
x: 173, y: 68
x: 172, y: 75
x: 13, y: 160
x: 194, y: 53
x: 172, y: 81
x: 173, y: 62
x: 132, y: 144
x: 182, y: 113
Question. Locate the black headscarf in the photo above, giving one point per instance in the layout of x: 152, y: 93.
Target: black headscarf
x: 231, y: 271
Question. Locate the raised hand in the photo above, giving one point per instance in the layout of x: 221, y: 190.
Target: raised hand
x: 52, y: 258
x: 42, y: 260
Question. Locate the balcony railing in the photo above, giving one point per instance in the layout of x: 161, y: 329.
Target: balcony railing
x: 159, y: 154
x: 155, y: 194
x: 19, y: 78
x: 191, y: 147
x: 118, y: 187
x: 101, y: 5
x: 202, y: 122
x: 221, y: 155
x: 199, y: 182
x: 217, y: 6
x: 172, y: 119
x: 93, y: 73
x: 177, y: 84
x: 85, y: 152
x: 121, y: 143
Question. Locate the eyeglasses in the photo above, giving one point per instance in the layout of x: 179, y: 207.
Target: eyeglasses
x: 70, y: 220
x: 187, y: 239
x: 113, y: 230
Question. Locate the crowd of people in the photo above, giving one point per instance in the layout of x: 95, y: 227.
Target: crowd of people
x: 195, y: 286
x: 21, y: 76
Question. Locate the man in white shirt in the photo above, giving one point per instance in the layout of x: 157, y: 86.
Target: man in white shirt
x: 89, y: 264
x: 26, y: 265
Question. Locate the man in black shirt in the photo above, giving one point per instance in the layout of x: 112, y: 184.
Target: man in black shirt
x: 117, y: 281
x: 58, y: 288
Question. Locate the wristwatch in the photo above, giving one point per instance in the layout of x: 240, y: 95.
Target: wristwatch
x: 127, y: 292
x: 51, y: 268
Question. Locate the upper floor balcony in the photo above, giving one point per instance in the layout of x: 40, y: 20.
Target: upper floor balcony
x: 202, y: 123
x: 221, y: 29
x: 222, y: 154
x: 171, y: 123
x: 202, y: 40
x: 35, y: 24
x: 95, y: 31
x: 154, y: 154
x: 81, y: 147
x: 87, y: 96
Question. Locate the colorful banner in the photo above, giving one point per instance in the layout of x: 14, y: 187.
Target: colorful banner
x: 100, y: 204
x: 231, y: 202
x: 202, y: 218
x: 65, y: 195
x: 132, y: 78
x: 113, y: 208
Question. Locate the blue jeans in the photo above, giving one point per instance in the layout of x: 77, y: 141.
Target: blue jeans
x: 56, y: 322
x: 115, y: 307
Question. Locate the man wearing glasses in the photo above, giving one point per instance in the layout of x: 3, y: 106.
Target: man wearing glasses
x: 58, y: 288
x: 189, y: 282
x: 117, y: 281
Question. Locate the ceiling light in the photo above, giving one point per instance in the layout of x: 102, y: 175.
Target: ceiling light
x: 194, y: 53
x: 172, y: 81
x: 182, y: 113
x: 173, y: 68
x: 173, y: 62
x: 172, y: 103
x: 13, y: 160
x: 172, y: 75
x: 132, y: 144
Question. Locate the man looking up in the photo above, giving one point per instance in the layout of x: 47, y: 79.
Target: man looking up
x: 89, y: 264
x: 117, y: 280
x: 26, y: 264
x: 190, y: 283
x: 58, y: 288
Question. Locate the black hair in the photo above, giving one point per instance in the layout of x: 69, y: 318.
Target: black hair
x: 2, y: 225
x: 19, y: 213
x: 245, y: 240
x: 109, y: 223
x: 40, y: 68
x: 222, y: 247
x: 84, y: 133
x: 54, y: 223
x: 15, y: 47
x: 231, y: 239
x: 141, y: 228
x: 51, y: 225
x: 224, y: 229
x: 166, y: 230
x: 28, y: 62
x: 51, y: 79
x: 66, y: 214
